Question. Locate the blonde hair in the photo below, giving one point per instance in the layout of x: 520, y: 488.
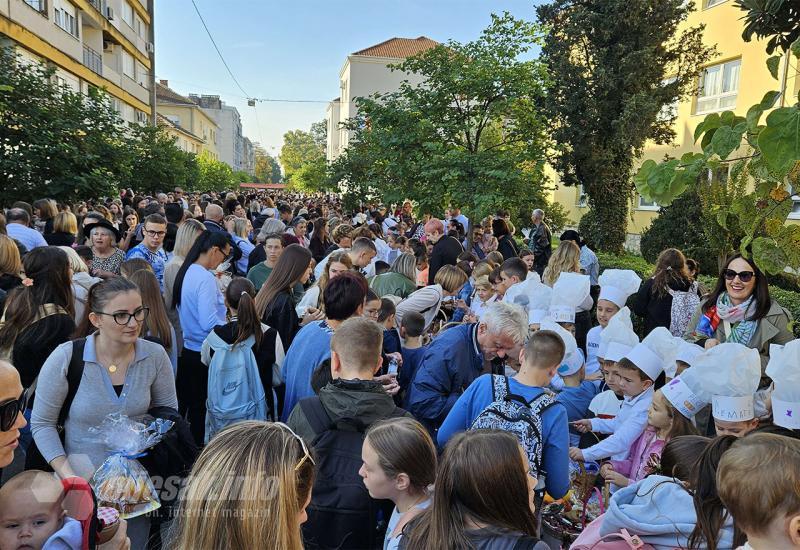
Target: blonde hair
x: 358, y: 342
x: 10, y: 260
x: 482, y: 269
x: 246, y: 490
x: 186, y: 236
x: 240, y: 227
x: 65, y: 222
x: 339, y: 257
x: 483, y: 282
x: 450, y: 277
x: 75, y: 261
x: 566, y: 258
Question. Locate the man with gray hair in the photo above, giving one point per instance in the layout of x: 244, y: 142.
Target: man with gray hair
x: 539, y: 242
x: 459, y: 355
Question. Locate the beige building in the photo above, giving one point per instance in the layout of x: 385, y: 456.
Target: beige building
x: 364, y: 73
x: 91, y: 43
x: 186, y: 117
x: 184, y: 139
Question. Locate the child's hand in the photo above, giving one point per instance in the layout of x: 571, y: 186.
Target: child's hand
x: 617, y: 479
x: 583, y: 426
x: 575, y: 454
x: 606, y: 469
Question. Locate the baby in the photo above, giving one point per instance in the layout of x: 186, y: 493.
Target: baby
x: 32, y: 515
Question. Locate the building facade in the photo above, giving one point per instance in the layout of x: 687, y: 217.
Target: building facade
x: 364, y: 73
x: 230, y: 141
x: 187, y: 116
x: 736, y: 79
x: 184, y: 139
x: 249, y: 156
x: 104, y: 44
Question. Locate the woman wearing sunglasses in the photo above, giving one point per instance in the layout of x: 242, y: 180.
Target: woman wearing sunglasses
x: 13, y: 400
x: 121, y: 374
x: 248, y: 489
x: 741, y: 310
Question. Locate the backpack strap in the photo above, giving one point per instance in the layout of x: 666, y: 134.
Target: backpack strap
x: 542, y: 402
x: 74, y: 375
x: 315, y: 413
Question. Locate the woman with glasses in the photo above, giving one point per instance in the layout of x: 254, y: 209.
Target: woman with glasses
x: 201, y: 307
x: 121, y: 374
x: 265, y: 505
x: 740, y: 310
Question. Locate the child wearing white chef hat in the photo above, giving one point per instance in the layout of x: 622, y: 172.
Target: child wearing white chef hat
x: 616, y: 340
x: 687, y: 353
x: 639, y: 370
x: 784, y: 369
x: 570, y: 292
x: 616, y: 285
x: 731, y: 375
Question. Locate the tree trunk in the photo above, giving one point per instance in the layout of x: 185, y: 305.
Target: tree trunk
x: 607, y: 223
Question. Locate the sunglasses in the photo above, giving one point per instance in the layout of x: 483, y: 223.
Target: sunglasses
x: 744, y: 276
x: 11, y: 409
x: 306, y: 454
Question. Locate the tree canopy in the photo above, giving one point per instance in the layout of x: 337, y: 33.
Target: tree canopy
x: 303, y: 161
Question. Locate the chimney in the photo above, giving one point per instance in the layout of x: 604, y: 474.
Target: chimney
x: 164, y: 83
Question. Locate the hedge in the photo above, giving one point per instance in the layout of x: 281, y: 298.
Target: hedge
x: 787, y: 298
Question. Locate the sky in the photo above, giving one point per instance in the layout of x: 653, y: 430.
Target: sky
x: 294, y: 49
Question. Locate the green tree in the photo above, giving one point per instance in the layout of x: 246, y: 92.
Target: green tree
x: 614, y: 64
x: 240, y: 176
x: 157, y: 163
x: 470, y: 135
x: 319, y: 131
x: 762, y: 161
x: 215, y: 175
x: 267, y: 168
x: 55, y: 142
x: 303, y: 161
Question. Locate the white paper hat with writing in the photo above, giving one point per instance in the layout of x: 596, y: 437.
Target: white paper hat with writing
x: 520, y: 293
x: 618, y: 338
x: 657, y: 350
x: 730, y: 373
x: 570, y: 345
x: 686, y: 391
x: 784, y: 369
x: 687, y: 352
x: 570, y: 291
x: 616, y: 285
x: 539, y: 303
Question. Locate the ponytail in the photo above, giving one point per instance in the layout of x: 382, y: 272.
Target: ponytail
x: 240, y: 295
x: 205, y: 242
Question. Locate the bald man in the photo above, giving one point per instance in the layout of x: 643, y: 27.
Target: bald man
x: 214, y: 218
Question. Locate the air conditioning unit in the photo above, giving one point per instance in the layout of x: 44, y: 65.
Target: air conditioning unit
x: 150, y: 47
x: 109, y: 13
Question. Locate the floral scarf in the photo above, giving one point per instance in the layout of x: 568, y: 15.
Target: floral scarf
x: 742, y: 329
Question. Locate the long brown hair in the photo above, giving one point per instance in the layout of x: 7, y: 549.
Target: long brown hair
x: 404, y: 446
x: 338, y: 256
x: 670, y: 268
x: 157, y: 323
x: 240, y: 296
x: 294, y: 261
x: 481, y: 477
x: 760, y: 291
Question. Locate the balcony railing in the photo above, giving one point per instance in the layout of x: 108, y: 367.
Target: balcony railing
x: 98, y: 4
x: 93, y: 60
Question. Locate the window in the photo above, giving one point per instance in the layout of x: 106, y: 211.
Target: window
x: 127, y: 13
x: 141, y: 75
x: 38, y: 5
x: 711, y: 3
x: 719, y: 86
x: 127, y: 64
x: 668, y: 112
x: 141, y: 117
x: 139, y: 26
x: 646, y: 205
x: 66, y: 16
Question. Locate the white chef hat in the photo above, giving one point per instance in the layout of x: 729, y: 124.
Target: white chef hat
x: 616, y: 285
x: 605, y: 404
x: 686, y: 392
x: 539, y: 303
x: 570, y: 290
x: 618, y: 338
x: 784, y: 369
x: 657, y: 350
x: 572, y: 363
x: 687, y: 351
x: 520, y: 293
x: 570, y: 345
x: 730, y: 373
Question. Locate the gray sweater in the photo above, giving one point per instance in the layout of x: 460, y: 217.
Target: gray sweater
x: 149, y: 383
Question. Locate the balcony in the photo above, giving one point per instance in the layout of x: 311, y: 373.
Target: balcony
x: 98, y: 5
x: 92, y: 60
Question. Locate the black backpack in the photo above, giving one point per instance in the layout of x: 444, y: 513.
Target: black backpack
x: 341, y: 515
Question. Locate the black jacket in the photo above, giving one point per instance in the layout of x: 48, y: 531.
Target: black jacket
x: 35, y: 344
x: 59, y: 239
x: 445, y: 252
x: 656, y: 310
x: 281, y: 315
x: 507, y: 247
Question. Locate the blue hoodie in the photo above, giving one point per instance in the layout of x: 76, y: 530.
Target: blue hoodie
x: 660, y: 511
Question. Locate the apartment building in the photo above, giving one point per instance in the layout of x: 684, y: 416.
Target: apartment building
x: 736, y: 79
x: 249, y: 156
x: 104, y: 44
x: 364, y: 73
x: 230, y: 141
x: 186, y: 117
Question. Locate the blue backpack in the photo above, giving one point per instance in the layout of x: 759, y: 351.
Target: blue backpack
x: 235, y: 391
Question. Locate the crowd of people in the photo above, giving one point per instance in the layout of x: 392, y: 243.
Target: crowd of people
x: 384, y: 378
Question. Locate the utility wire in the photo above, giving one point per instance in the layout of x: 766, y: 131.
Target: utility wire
x: 217, y: 48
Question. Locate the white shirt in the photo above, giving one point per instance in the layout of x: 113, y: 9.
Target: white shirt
x: 592, y: 347
x: 624, y: 428
x: 479, y: 307
x: 30, y: 238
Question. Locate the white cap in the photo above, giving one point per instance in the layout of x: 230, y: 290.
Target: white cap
x: 570, y: 290
x: 730, y: 373
x: 784, y: 369
x: 605, y: 404
x: 539, y: 303
x: 687, y: 351
x: 618, y: 338
x: 520, y: 293
x: 616, y: 285
x: 657, y: 350
x: 572, y: 363
x: 570, y: 345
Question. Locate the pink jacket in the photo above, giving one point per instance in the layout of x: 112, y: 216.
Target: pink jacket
x: 635, y: 467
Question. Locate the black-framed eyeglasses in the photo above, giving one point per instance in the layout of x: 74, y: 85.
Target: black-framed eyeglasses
x: 123, y: 317
x: 155, y: 234
x: 11, y: 409
x: 744, y: 276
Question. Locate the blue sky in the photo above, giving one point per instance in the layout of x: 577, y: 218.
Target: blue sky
x: 295, y: 49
